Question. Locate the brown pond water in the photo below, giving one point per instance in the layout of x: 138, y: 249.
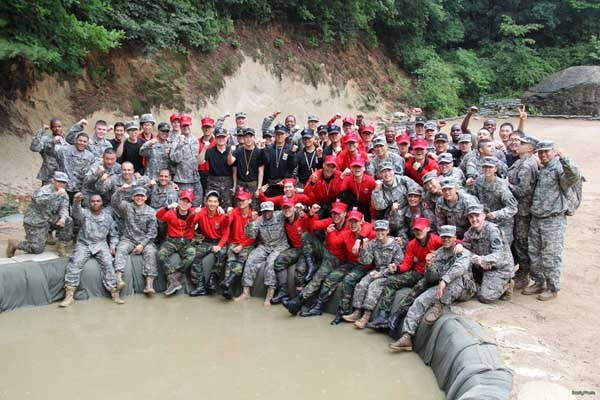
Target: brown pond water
x: 206, y: 348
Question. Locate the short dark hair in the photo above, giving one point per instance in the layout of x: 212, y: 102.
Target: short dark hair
x: 512, y: 128
x: 109, y: 151
x: 213, y: 193
x: 54, y: 120
x: 118, y: 124
x: 164, y: 169
x: 82, y: 134
x: 482, y: 142
x: 100, y: 122
x: 518, y: 133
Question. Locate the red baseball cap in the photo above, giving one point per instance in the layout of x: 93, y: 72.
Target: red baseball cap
x: 419, y: 144
x: 207, y: 121
x: 404, y: 138
x: 352, y: 137
x: 288, y: 180
x: 367, y: 128
x: 330, y: 160
x: 420, y: 223
x: 355, y: 214
x: 287, y: 202
x: 174, y: 116
x: 339, y: 207
x: 188, y: 195
x: 243, y: 195
x: 348, y: 120
x: 185, y: 120
x: 358, y: 161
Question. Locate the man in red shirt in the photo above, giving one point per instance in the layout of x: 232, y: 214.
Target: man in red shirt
x: 356, y: 188
x: 351, y: 151
x: 180, y: 232
x: 296, y: 224
x: 322, y: 186
x: 418, y: 165
x: 213, y: 226
x: 289, y: 192
x: 207, y: 140
x: 240, y: 245
x: 410, y: 272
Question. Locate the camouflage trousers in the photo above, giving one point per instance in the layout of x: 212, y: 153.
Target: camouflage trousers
x: 124, y: 249
x: 223, y: 186
x: 84, y: 252
x: 196, y: 187
x: 457, y: 290
x: 393, y: 284
x: 251, y: 188
x: 286, y: 259
x: 493, y: 284
x: 507, y: 229
x: 520, y: 243
x: 203, y: 250
x: 367, y: 292
x: 261, y: 257
x: 161, y: 233
x: 327, y: 262
x: 36, y: 236
x: 349, y: 275
x: 236, y: 261
x: 546, y: 242
x: 183, y: 247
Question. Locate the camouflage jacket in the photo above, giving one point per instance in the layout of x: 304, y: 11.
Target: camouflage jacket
x: 382, y: 199
x: 161, y: 197
x: 491, y: 247
x: 139, y: 223
x: 471, y: 164
x: 44, y: 144
x: 381, y: 255
x: 95, y: 146
x: 455, y: 214
x: 497, y: 197
x: 157, y: 157
x: 271, y: 233
x: 95, y: 229
x: 109, y: 187
x: 184, y: 155
x: 458, y: 176
x: 375, y: 164
x: 92, y: 176
x: 554, y: 180
x: 522, y: 178
x: 47, y: 207
x: 450, y: 267
x: 74, y: 163
x: 408, y: 217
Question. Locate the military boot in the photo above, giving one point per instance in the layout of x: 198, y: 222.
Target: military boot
x: 281, y: 295
x: 173, y: 283
x: 227, y: 285
x: 315, y: 310
x: 68, y: 300
x: 338, y: 316
x: 508, y: 290
x: 120, y: 282
x: 61, y: 250
x: 11, y: 248
x: 402, y: 344
x: 547, y: 295
x: 116, y: 296
x: 51, y: 241
x: 363, y: 321
x: 269, y: 297
x: 294, y: 305
x: 311, y: 268
x: 536, y: 288
x: 355, y: 316
x: 213, y: 281
x: 397, y: 318
x: 434, y: 313
x: 200, y: 289
x: 521, y: 280
x: 149, y: 289
x: 381, y: 321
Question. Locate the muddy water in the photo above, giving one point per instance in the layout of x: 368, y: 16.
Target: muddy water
x: 184, y: 348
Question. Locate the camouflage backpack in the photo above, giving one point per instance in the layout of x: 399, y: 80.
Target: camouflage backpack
x: 574, y: 196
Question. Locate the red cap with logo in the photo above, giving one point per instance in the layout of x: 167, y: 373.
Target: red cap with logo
x: 243, y: 195
x: 355, y: 214
x: 287, y: 202
x: 207, y: 121
x: 403, y: 139
x: 352, y: 137
x: 367, y: 128
x: 420, y: 223
x: 175, y: 116
x: 358, y: 162
x: 330, y: 160
x: 339, y: 207
x: 187, y: 194
x: 288, y: 180
x: 419, y: 144
x: 185, y: 120
x: 348, y: 120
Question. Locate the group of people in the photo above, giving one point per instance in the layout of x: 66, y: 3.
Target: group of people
x: 447, y: 216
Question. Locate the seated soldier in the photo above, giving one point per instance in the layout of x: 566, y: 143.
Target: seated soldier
x: 97, y: 238
x: 452, y: 271
x: 49, y: 208
x: 180, y: 232
x: 161, y: 195
x: 385, y: 253
x: 414, y: 208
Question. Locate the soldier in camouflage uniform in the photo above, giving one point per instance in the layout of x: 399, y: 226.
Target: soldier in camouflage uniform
x: 498, y: 202
x: 447, y: 169
x: 384, y: 253
x: 184, y: 155
x: 471, y: 163
x: 157, y: 152
x: 161, y: 195
x: 414, y: 208
x: 433, y: 190
x: 100, y: 172
x: 389, y: 196
x: 451, y: 271
x: 270, y: 232
x: 49, y: 208
x: 384, y: 156
x: 451, y: 208
x: 45, y: 145
x: 97, y: 143
x: 74, y: 160
x: 491, y: 254
x: 549, y: 207
x: 522, y: 178
x: 97, y: 238
x: 139, y: 232
x: 114, y: 183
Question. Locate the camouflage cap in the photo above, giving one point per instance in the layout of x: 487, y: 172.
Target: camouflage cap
x: 429, y: 176
x: 464, y: 138
x: 313, y: 118
x: 147, y: 118
x: 445, y: 158
x: 415, y: 190
x: 475, y: 209
x: 138, y: 191
x: 447, y: 230
x: 268, y: 133
x: 164, y: 127
x: 267, y: 206
x: 385, y: 166
x: 447, y: 182
x: 240, y: 114
x: 529, y: 140
x: 132, y: 125
x: 544, y: 145
x: 61, y: 177
x: 488, y: 162
x: 381, y: 224
x: 379, y: 141
x: 430, y: 126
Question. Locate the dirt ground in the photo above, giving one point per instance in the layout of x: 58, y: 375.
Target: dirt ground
x: 551, y: 347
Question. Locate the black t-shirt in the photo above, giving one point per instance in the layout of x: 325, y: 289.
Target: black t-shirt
x: 115, y: 143
x: 510, y: 159
x: 247, y: 163
x: 280, y: 162
x: 131, y: 153
x: 217, y: 162
x: 306, y: 162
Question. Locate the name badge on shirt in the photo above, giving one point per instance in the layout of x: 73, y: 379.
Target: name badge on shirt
x: 284, y: 156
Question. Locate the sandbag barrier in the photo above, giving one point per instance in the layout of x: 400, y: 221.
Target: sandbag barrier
x: 466, y: 364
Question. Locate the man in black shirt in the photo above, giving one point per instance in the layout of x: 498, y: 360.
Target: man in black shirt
x: 119, y: 131
x: 280, y: 161
x: 129, y: 150
x: 248, y: 166
x: 310, y: 158
x: 220, y: 174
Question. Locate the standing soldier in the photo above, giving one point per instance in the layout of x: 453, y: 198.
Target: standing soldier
x: 451, y: 208
x: 161, y: 195
x: 220, y: 174
x: 451, y: 271
x: 185, y: 156
x: 385, y: 254
x: 310, y: 158
x: 97, y: 143
x: 49, y: 208
x: 74, y: 160
x: 248, y: 166
x: 549, y: 209
x: 382, y: 157
x: 45, y: 145
x: 119, y: 133
x: 156, y: 151
x: 175, y: 120
x: 100, y: 172
x: 414, y: 209
x: 147, y: 122
x: 522, y: 178
x: 433, y: 190
x: 139, y: 232
x: 280, y: 161
x: 97, y: 238
x: 269, y: 230
x: 447, y: 169
x: 126, y: 178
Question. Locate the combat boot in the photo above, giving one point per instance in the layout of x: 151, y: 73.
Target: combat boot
x: 68, y: 300
x: 120, y: 282
x: 51, y: 241
x: 311, y: 268
x: 355, y: 316
x: 149, y: 289
x: 294, y: 305
x: 61, y: 250
x: 281, y: 295
x: 227, y: 284
x: 213, y: 282
x: 381, y: 321
x: 11, y: 248
x: 200, y: 289
x: 508, y: 290
x: 434, y: 313
x: 245, y: 294
x: 338, y: 316
x: 269, y: 297
x: 362, y: 322
x: 116, y: 296
x: 521, y: 280
x: 314, y: 310
x: 536, y: 288
x: 397, y: 319
x: 547, y: 295
x: 173, y: 283
x: 402, y: 344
